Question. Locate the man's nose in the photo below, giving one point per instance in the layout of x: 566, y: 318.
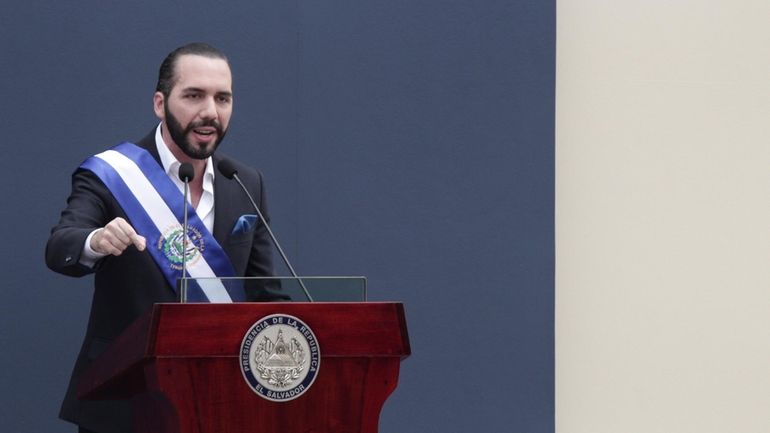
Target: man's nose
x: 209, y: 109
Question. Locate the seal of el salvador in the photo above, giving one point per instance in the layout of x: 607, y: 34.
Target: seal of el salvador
x: 280, y: 357
x: 171, y: 242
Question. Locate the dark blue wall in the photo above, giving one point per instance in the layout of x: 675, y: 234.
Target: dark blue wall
x: 409, y: 141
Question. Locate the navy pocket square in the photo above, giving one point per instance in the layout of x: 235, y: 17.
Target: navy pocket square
x: 244, y: 224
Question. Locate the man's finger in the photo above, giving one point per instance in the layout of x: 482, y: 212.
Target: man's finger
x: 115, y: 237
x: 132, y: 237
x: 107, y: 246
x: 117, y: 234
x: 138, y: 241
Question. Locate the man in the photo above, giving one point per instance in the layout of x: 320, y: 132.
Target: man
x: 112, y: 230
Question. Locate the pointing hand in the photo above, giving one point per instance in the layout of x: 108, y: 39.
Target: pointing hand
x: 115, y: 237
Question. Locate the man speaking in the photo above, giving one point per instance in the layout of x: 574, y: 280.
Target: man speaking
x: 123, y: 220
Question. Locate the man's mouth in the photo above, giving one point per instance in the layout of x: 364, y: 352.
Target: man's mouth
x: 205, y: 131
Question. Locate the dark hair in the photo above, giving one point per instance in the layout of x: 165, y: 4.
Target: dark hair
x: 166, y: 76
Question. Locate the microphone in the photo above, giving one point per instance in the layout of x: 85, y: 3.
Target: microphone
x: 186, y: 172
x: 186, y: 175
x: 229, y: 171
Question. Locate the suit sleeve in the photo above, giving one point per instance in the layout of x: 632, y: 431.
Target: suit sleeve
x: 85, y: 212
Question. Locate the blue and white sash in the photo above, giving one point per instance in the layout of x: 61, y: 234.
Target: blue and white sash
x: 153, y: 204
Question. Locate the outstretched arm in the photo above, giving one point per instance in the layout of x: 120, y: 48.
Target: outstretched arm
x: 87, y: 212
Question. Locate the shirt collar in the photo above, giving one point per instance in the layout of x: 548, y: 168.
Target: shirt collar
x: 171, y: 164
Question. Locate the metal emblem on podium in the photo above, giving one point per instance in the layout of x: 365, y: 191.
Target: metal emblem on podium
x: 280, y: 357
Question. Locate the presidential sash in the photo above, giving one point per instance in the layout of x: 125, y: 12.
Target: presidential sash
x: 153, y: 204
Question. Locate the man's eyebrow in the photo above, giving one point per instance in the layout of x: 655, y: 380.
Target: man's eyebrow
x: 193, y: 89
x: 199, y: 90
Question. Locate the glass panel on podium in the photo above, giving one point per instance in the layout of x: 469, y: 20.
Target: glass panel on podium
x: 282, y: 289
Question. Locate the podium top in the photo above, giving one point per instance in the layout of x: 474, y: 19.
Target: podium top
x: 321, y: 288
x: 366, y: 329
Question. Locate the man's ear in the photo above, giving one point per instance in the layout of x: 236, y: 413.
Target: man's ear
x: 157, y: 105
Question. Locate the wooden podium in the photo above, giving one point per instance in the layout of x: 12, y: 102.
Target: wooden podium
x: 179, y: 365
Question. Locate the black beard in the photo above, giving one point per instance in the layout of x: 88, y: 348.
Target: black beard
x: 179, y: 135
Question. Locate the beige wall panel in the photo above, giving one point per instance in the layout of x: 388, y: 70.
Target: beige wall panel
x: 663, y: 216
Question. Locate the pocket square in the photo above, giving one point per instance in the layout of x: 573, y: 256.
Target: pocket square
x: 244, y: 224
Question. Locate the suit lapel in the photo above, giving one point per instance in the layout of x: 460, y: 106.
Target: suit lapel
x: 220, y: 210
x: 148, y: 143
x: 225, y: 195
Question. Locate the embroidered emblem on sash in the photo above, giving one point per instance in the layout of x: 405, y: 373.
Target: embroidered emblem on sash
x: 170, y: 243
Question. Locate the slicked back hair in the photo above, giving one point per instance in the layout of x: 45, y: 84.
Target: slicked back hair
x: 166, y: 76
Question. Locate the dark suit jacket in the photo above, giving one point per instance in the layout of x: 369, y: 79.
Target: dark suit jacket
x: 129, y: 284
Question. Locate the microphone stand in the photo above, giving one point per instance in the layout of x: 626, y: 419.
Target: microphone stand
x: 183, y: 288
x: 275, y: 241
x: 186, y: 174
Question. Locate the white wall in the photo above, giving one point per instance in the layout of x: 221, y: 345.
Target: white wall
x: 663, y: 216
